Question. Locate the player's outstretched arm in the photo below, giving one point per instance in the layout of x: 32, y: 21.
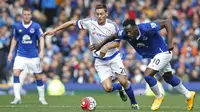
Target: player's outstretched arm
x: 97, y: 47
x: 63, y: 26
x: 12, y: 47
x: 167, y: 24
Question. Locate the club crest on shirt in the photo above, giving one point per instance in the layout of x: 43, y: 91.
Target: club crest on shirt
x: 144, y: 38
x: 20, y: 30
x: 32, y: 30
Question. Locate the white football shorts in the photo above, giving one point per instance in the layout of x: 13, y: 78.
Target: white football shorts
x: 109, y: 68
x: 33, y: 64
x: 161, y: 62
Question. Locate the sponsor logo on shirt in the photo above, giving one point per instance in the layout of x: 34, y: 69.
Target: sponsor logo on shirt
x: 26, y: 39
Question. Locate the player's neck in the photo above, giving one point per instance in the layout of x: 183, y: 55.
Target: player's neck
x: 103, y: 23
x: 27, y: 23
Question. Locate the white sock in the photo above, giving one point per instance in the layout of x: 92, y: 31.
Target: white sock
x: 16, y: 88
x: 41, y: 92
x: 156, y: 91
x: 181, y: 89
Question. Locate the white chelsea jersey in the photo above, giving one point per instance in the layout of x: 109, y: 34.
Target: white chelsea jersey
x: 97, y: 33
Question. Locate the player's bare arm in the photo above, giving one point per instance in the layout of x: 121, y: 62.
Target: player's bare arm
x: 41, y: 54
x: 167, y: 24
x: 63, y: 26
x: 12, y: 47
x: 105, y: 48
x: 97, y: 47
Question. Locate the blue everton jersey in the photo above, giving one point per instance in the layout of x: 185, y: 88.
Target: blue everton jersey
x: 149, y: 42
x: 27, y: 38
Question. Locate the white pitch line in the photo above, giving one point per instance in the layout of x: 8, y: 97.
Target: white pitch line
x: 72, y: 106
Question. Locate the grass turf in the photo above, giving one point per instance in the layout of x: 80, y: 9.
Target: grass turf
x: 105, y: 103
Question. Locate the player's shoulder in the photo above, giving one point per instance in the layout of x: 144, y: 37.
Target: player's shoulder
x: 35, y: 24
x: 144, y: 26
x: 109, y: 21
x: 18, y: 24
x: 89, y: 19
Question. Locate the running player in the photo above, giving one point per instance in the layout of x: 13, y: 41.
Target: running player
x: 111, y: 64
x: 146, y: 40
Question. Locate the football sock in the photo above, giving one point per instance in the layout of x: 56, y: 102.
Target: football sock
x: 156, y: 91
x: 130, y: 93
x: 16, y: 87
x: 153, y: 85
x: 116, y: 86
x: 40, y: 88
x: 178, y: 86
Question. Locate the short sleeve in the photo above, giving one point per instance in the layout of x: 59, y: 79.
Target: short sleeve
x: 15, y: 32
x: 83, y: 23
x: 39, y: 31
x: 154, y: 26
x: 120, y: 34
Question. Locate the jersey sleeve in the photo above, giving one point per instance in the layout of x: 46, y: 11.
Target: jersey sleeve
x: 83, y: 23
x: 120, y: 34
x: 39, y: 31
x: 116, y: 31
x: 153, y: 26
x: 15, y: 32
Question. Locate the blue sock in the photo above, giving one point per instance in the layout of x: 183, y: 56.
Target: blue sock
x: 39, y: 82
x: 116, y: 86
x: 130, y: 93
x: 16, y: 79
x: 173, y: 80
x: 150, y: 80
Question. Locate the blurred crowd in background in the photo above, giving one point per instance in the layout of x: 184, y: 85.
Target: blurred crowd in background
x: 67, y: 54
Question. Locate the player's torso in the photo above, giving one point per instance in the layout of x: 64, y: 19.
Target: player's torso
x: 148, y: 44
x: 27, y: 37
x: 27, y: 40
x: 98, y: 33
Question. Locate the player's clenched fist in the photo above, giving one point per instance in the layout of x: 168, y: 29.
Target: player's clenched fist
x: 10, y: 57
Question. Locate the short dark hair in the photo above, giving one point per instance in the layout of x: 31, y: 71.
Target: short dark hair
x: 129, y: 22
x: 101, y: 6
x: 26, y: 9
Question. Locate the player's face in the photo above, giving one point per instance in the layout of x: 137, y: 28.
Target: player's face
x: 130, y: 32
x: 26, y: 16
x: 101, y: 15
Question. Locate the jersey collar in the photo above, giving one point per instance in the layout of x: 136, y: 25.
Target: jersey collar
x: 26, y: 25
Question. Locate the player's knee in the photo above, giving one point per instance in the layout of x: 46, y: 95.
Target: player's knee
x: 167, y: 77
x: 171, y: 79
x: 17, y: 72
x: 124, y: 83
x: 108, y: 88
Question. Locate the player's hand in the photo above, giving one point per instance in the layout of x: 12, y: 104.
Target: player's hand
x: 10, y: 57
x: 170, y: 50
x: 51, y: 32
x: 41, y: 55
x: 95, y: 47
x: 103, y: 51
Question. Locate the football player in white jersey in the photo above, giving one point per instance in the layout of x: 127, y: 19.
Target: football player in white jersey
x: 25, y: 35
x: 108, y: 61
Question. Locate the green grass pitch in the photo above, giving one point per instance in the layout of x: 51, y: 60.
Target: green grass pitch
x: 105, y: 103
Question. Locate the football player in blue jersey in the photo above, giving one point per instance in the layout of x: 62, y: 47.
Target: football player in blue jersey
x: 26, y: 34
x: 146, y: 40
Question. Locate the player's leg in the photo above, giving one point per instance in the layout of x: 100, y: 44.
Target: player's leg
x: 34, y: 65
x: 156, y: 64
x: 178, y: 86
x: 123, y: 79
x: 105, y: 73
x: 119, y: 70
x: 19, y: 64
